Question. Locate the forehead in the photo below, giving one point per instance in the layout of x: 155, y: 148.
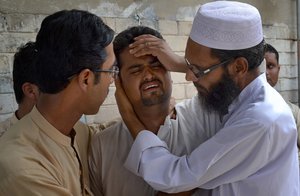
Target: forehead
x: 270, y: 56
x: 197, y: 53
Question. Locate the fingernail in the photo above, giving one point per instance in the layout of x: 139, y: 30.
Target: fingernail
x: 130, y: 51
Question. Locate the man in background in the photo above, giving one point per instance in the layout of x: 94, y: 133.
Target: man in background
x: 24, y: 83
x: 272, y: 72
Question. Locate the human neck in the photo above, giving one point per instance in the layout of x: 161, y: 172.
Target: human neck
x: 58, y: 111
x: 24, y: 108
x: 248, y: 78
x: 153, y: 116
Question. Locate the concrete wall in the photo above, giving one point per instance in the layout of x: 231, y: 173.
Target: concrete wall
x: 20, y: 21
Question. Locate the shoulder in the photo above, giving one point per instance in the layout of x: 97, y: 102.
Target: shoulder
x: 34, y: 181
x: 24, y: 160
x: 111, y: 143
x: 5, y: 125
x: 113, y: 133
x: 295, y: 108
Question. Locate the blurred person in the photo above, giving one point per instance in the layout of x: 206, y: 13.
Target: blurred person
x: 25, y: 88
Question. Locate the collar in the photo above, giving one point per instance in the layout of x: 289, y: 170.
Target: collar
x: 49, y: 129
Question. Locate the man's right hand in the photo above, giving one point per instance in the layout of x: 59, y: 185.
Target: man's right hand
x: 151, y: 45
x: 126, y: 110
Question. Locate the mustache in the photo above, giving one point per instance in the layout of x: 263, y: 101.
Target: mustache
x: 198, y: 86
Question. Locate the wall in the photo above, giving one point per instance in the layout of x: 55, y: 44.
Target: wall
x: 20, y: 21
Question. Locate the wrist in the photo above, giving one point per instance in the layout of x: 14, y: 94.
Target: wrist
x: 134, y: 125
x: 179, y: 64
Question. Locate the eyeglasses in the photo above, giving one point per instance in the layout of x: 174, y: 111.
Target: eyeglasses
x: 114, y: 71
x: 198, y: 72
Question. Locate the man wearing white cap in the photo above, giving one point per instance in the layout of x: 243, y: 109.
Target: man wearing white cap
x: 255, y: 152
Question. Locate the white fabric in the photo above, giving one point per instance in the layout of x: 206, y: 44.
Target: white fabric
x: 254, y: 153
x: 110, y: 149
x: 227, y: 25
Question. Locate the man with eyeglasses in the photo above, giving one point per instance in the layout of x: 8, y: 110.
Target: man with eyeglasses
x: 45, y: 153
x: 148, y: 86
x: 255, y: 152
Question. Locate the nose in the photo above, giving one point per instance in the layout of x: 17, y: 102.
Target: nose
x: 148, y: 73
x: 190, y: 76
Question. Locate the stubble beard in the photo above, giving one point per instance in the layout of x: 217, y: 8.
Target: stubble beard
x: 156, y: 97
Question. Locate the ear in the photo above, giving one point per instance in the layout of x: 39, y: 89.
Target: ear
x: 30, y: 90
x: 239, y: 67
x: 85, y: 79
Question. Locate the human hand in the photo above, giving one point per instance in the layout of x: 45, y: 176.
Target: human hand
x: 126, y: 110
x: 151, y: 45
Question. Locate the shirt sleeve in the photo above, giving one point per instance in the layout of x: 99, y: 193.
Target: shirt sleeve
x: 217, y: 161
x: 32, y: 182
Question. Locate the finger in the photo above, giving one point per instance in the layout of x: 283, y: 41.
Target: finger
x: 143, y: 52
x: 146, y: 48
x: 153, y: 50
x: 138, y: 48
x: 143, y: 40
x: 119, y: 87
x: 145, y: 36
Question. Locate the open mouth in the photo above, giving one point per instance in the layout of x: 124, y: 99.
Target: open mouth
x: 147, y: 86
x: 150, y: 86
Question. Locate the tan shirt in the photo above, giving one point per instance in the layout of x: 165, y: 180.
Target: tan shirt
x: 6, y: 124
x: 37, y: 159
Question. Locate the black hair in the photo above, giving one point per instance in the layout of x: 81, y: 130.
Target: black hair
x: 126, y: 37
x: 68, y: 42
x: 23, y: 69
x: 254, y: 55
x: 271, y: 49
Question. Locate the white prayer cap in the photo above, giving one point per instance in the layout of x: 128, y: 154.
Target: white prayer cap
x: 227, y: 25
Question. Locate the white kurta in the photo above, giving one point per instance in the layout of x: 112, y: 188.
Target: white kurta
x: 254, y: 153
x: 110, y: 149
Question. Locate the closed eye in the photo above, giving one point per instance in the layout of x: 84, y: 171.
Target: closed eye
x: 135, y: 69
x: 156, y: 65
